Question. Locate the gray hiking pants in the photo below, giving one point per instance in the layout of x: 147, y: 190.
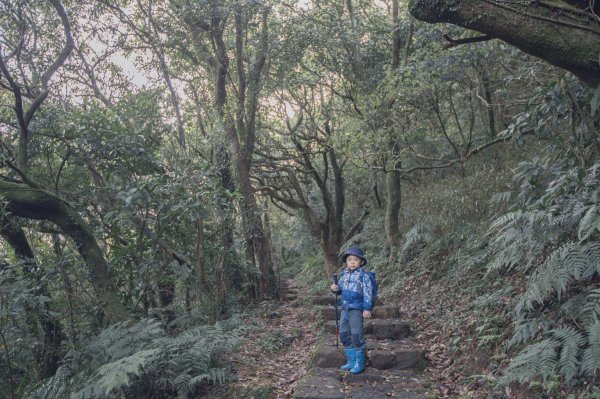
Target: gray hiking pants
x: 351, y: 329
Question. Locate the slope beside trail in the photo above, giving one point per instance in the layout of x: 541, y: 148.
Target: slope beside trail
x: 275, y: 353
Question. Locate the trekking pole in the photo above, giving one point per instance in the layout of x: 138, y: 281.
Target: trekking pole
x: 337, y: 323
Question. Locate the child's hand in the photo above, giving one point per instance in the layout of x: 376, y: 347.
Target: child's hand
x: 335, y: 287
x: 366, y: 314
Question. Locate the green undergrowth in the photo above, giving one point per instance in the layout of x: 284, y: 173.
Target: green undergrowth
x: 513, y: 291
x: 501, y: 259
x: 133, y: 360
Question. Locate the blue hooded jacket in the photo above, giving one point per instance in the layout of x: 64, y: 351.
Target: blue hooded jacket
x: 357, y: 290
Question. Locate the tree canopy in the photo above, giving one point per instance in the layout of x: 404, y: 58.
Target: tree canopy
x: 165, y: 167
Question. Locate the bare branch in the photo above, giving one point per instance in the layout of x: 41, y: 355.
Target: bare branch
x: 58, y: 62
x: 467, y: 40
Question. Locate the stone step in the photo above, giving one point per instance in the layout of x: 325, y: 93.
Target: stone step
x: 322, y: 300
x: 371, y: 384
x: 402, y: 359
x: 398, y: 358
x: 384, y: 391
x: 379, y: 312
x: 320, y: 384
x: 393, y: 329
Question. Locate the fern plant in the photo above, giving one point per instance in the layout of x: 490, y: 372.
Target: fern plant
x: 140, y: 360
x: 414, y: 239
x: 552, y: 235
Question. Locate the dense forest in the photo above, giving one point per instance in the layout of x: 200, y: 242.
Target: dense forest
x: 169, y: 167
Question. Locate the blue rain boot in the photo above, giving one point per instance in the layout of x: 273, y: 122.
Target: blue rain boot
x: 350, y: 359
x: 359, y: 366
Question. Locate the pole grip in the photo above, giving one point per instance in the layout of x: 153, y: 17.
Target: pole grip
x: 335, y: 278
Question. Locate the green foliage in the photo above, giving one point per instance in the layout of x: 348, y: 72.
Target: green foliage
x: 273, y: 342
x: 417, y: 235
x: 135, y: 360
x: 311, y: 274
x: 553, y: 235
x: 595, y: 103
x: 538, y: 359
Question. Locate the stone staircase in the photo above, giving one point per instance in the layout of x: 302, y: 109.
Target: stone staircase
x: 394, y: 362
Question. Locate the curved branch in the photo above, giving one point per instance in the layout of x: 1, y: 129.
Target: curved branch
x: 58, y: 62
x: 530, y: 27
x: 466, y: 156
x: 467, y: 40
x: 35, y: 203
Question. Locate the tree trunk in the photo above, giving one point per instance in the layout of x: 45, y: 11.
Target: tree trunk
x: 36, y: 203
x: 223, y: 161
x: 392, y: 209
x: 255, y: 232
x: 392, y: 179
x: 538, y: 29
x: 243, y: 139
x: 331, y: 258
x: 58, y: 251
x: 200, y: 266
x: 356, y: 54
x: 487, y: 91
x: 48, y: 356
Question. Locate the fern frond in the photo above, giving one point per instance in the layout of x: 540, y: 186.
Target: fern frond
x: 592, y: 308
x: 589, y: 223
x: 539, y: 359
x: 501, y: 198
x: 590, y: 361
x: 54, y: 387
x: 524, y: 331
x: 506, y: 259
x: 505, y: 220
x: 417, y: 234
x: 592, y: 252
x: 571, y: 342
x: 122, y: 339
x: 570, y: 262
x: 118, y: 374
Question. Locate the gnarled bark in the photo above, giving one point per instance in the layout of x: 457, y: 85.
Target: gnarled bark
x: 549, y: 32
x: 36, y: 203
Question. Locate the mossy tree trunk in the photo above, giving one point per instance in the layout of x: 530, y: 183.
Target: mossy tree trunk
x: 557, y: 33
x: 393, y: 196
x: 392, y: 209
x: 36, y: 203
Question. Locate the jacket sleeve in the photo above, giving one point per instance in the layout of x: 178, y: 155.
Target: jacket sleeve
x: 367, y: 292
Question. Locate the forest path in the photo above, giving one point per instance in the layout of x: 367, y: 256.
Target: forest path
x: 395, y: 363
x: 290, y: 352
x: 275, y: 353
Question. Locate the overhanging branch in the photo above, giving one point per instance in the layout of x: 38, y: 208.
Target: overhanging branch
x: 467, y: 40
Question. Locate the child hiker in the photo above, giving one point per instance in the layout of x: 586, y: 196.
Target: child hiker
x: 357, y: 302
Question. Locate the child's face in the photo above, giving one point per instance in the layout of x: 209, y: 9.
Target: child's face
x: 353, y: 262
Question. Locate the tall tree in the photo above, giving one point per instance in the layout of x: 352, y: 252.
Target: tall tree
x: 25, y: 197
x: 311, y: 167
x: 244, y: 77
